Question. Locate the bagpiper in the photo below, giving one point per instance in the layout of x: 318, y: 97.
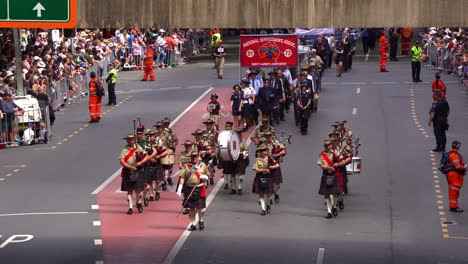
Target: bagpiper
x: 132, y: 158
x: 192, y: 183
x: 330, y: 186
x: 263, y: 182
x: 158, y: 174
x: 276, y: 151
x: 240, y: 164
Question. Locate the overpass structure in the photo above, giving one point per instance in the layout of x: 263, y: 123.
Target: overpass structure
x: 271, y: 13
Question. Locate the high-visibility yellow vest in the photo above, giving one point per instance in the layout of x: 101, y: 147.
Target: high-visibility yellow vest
x: 416, y: 53
x: 214, y: 38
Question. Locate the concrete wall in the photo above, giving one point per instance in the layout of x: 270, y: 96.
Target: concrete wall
x: 271, y: 13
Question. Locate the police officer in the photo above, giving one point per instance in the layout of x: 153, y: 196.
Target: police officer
x: 438, y: 117
x: 416, y: 62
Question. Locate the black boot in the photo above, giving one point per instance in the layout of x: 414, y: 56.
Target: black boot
x: 341, y: 204
x: 233, y: 192
x: 277, y: 198
x: 239, y: 192
x: 140, y: 208
x: 211, y: 181
x: 130, y: 211
x: 328, y: 216
x: 169, y: 180
x: 263, y: 212
x: 201, y: 225
x: 192, y: 228
x: 146, y: 202
x: 456, y: 210
x: 158, y: 196
x: 334, y: 212
x: 268, y: 209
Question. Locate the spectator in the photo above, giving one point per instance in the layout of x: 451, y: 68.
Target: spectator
x: 9, y: 122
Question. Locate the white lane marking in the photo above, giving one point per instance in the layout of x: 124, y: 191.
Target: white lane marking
x: 321, y: 252
x: 106, y: 182
x: 353, y: 83
x: 180, y: 242
x: 354, y: 110
x: 111, y: 178
x: 170, y: 88
x: 96, y: 223
x: 95, y: 207
x: 45, y: 213
x: 98, y: 242
x: 99, y: 262
x: 329, y: 83
x: 358, y: 90
x: 384, y: 82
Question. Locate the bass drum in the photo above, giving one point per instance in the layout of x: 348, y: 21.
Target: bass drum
x: 228, y: 145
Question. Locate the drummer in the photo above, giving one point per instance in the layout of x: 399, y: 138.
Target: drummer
x: 240, y: 164
x: 263, y: 184
x: 194, y: 176
x: 132, y: 161
x: 262, y: 128
x: 276, y: 151
x: 228, y: 166
x: 341, y: 157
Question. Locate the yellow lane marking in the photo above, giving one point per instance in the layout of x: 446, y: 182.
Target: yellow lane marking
x: 452, y: 237
x: 16, y: 170
x: 2, y: 179
x: 70, y: 136
x: 440, y: 202
x: 441, y: 207
x: 437, y: 191
x: 440, y: 196
x: 436, y: 181
x: 443, y: 225
x: 437, y: 186
x: 443, y: 219
x: 9, y: 174
x: 441, y: 213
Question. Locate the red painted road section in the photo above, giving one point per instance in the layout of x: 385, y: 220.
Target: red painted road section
x: 150, y: 236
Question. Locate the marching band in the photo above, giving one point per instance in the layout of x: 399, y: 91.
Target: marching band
x: 149, y: 157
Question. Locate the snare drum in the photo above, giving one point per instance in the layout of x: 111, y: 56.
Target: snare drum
x: 169, y: 159
x: 229, y: 145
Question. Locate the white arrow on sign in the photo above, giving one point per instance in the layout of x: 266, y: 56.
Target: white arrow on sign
x: 39, y: 8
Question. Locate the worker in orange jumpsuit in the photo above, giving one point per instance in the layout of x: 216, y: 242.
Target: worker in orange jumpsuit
x: 94, y: 99
x: 384, y: 49
x: 406, y: 40
x: 455, y: 176
x: 438, y: 86
x: 148, y: 61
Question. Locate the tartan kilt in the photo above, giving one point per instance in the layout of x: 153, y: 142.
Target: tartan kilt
x: 150, y: 170
x: 228, y: 167
x: 277, y: 176
x: 200, y: 203
x: 159, y: 172
x: 257, y: 188
x: 127, y: 185
x: 241, y: 164
x: 326, y: 190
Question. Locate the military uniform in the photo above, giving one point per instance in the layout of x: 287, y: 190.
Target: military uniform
x: 263, y: 182
x: 275, y: 147
x: 257, y: 133
x: 132, y: 181
x: 193, y: 177
x: 170, y: 140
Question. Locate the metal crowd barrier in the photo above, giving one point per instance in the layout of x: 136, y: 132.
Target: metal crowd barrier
x: 14, y: 128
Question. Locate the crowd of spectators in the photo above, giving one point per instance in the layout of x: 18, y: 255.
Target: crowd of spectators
x: 446, y: 49
x: 49, y: 57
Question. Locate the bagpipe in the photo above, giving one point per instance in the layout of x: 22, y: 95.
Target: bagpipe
x: 277, y: 149
x: 139, y: 155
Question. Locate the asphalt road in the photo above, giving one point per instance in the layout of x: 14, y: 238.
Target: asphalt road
x: 392, y: 213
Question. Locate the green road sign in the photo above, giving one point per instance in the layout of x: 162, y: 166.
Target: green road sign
x: 35, y: 10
